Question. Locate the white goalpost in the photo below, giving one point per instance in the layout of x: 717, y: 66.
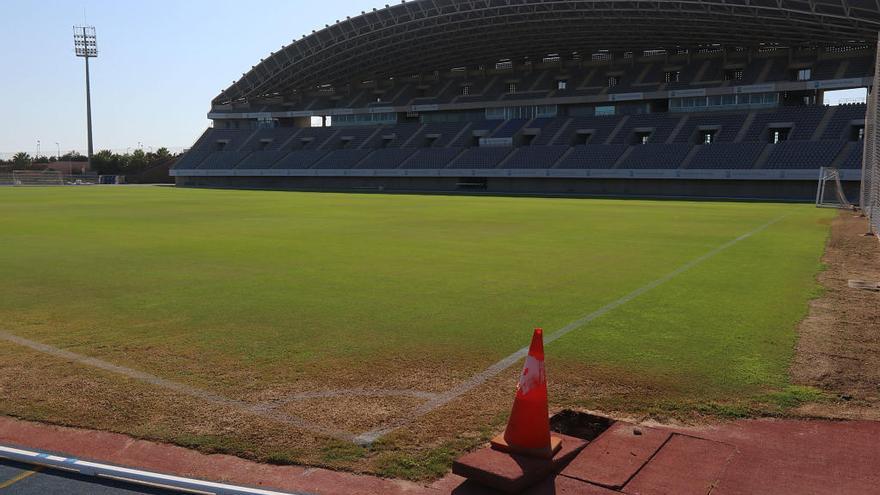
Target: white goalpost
x: 37, y: 178
x: 831, y: 193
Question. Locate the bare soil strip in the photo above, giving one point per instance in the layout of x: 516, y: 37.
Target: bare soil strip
x: 839, y: 349
x: 198, y: 393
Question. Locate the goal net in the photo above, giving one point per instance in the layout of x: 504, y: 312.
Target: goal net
x: 830, y: 193
x: 870, y: 196
x: 37, y: 178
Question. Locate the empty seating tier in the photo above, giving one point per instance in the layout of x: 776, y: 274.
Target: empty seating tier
x: 656, y: 156
x: 710, y: 141
x: 536, y: 157
x: 481, y: 158
x: 727, y: 156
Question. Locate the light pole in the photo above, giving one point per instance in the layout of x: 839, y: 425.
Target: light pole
x: 85, y: 42
x: 58, y: 155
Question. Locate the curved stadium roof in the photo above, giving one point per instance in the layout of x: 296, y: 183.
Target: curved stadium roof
x: 427, y: 35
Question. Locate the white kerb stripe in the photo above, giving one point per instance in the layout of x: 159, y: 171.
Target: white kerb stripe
x: 127, y: 474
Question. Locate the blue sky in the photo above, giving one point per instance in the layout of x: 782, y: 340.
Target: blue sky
x: 161, y: 62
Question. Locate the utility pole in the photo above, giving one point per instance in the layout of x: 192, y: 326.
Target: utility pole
x: 85, y: 42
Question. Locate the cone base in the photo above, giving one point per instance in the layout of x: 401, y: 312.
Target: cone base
x: 501, y: 445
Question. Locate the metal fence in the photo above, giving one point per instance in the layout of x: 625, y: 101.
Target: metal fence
x: 870, y: 197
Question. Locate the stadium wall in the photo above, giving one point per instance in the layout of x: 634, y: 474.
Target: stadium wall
x: 788, y: 190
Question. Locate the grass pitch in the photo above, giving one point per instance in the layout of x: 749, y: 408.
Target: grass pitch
x: 264, y: 296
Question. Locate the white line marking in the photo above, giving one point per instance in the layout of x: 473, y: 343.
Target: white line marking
x: 494, y: 370
x: 352, y: 392
x: 178, y: 387
x: 434, y: 401
x: 127, y: 474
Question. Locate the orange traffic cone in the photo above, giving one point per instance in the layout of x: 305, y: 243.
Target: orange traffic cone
x: 528, y: 431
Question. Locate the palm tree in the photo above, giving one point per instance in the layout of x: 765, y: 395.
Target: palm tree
x: 21, y: 159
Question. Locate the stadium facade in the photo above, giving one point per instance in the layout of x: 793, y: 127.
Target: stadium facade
x: 662, y: 98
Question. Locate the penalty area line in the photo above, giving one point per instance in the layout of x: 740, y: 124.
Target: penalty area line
x: 497, y: 368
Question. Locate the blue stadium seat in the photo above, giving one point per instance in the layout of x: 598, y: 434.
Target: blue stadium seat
x: 536, y: 157
x: 598, y: 156
x: 481, y: 158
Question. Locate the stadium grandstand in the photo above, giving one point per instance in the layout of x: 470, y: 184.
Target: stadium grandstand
x: 667, y: 98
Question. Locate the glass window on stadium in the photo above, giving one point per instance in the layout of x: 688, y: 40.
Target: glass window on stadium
x: 267, y: 123
x: 805, y: 74
x: 606, y: 110
x: 723, y: 102
x: 672, y: 76
x: 528, y: 112
x: 465, y: 116
x: 733, y: 75
x: 613, y: 81
x: 365, y: 119
x: 562, y: 84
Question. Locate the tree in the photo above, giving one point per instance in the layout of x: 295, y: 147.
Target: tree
x: 137, y: 161
x: 21, y: 159
x: 74, y: 156
x: 105, y: 162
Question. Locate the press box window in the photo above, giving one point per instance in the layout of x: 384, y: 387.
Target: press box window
x: 511, y: 87
x: 672, y: 76
x: 561, y: 85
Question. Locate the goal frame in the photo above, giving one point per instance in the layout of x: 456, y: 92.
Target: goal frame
x: 831, y: 175
x: 37, y: 178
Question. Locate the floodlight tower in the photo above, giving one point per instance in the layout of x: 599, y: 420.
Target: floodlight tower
x: 85, y: 42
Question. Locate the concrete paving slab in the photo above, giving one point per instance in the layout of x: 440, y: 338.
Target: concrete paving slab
x: 513, y: 473
x: 562, y: 485
x: 800, y: 457
x: 615, y: 457
x: 684, y: 466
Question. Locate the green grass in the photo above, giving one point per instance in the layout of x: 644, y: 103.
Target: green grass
x: 240, y: 292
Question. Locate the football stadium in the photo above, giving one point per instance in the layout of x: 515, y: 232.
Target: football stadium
x: 347, y: 274
x: 599, y: 98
